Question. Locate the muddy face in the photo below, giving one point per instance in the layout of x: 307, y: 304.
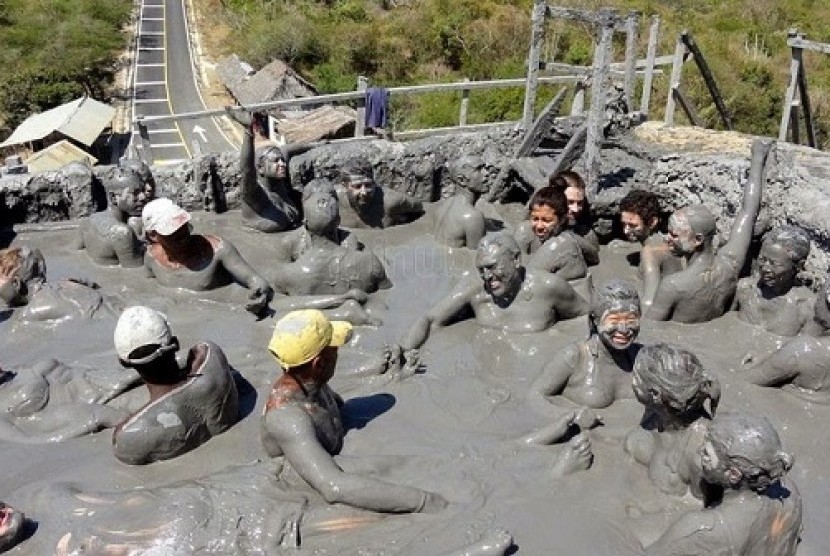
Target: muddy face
x: 498, y: 269
x: 544, y: 222
x: 11, y: 525
x: 132, y: 199
x: 775, y: 267
x: 360, y: 193
x: 634, y: 228
x: 576, y: 203
x: 618, y: 328
x: 273, y: 165
x: 680, y: 238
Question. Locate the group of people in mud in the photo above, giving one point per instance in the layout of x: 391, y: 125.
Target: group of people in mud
x: 528, y: 279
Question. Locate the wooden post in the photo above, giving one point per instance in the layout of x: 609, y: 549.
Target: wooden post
x: 789, y: 96
x: 687, y: 107
x: 578, y: 104
x: 653, y: 33
x: 360, y: 124
x: 596, y: 112
x: 465, y: 103
x: 806, y: 110
x: 542, y: 125
x: 795, y: 133
x: 674, y: 80
x: 631, y: 26
x: 537, y: 36
x: 708, y: 78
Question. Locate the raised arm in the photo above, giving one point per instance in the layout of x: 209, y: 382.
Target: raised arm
x: 441, y: 314
x: 738, y: 245
x: 294, y: 432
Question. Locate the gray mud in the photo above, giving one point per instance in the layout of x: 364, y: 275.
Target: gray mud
x: 456, y: 425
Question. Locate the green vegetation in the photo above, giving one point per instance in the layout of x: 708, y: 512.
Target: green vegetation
x: 421, y: 41
x: 56, y: 50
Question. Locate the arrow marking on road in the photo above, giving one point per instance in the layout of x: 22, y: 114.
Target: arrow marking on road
x: 200, y: 131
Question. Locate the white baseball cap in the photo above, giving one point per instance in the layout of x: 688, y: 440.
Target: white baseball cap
x: 163, y: 216
x: 138, y: 327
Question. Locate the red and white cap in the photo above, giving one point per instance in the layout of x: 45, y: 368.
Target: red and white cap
x: 163, y: 216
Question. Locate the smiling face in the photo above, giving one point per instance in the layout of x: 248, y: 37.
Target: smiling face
x: 499, y: 270
x: 634, y: 227
x: 619, y: 327
x: 544, y: 222
x: 775, y: 267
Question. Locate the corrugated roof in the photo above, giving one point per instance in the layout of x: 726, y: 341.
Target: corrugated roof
x: 55, y: 157
x: 82, y: 120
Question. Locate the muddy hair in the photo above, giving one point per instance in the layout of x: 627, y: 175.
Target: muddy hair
x: 123, y: 178
x: 262, y: 152
x: 11, y: 260
x: 679, y: 379
x: 611, y: 294
x: 644, y: 204
x: 319, y: 186
x: 700, y: 220
x: 550, y: 196
x: 793, y: 239
x: 568, y: 178
x: 503, y: 240
x: 750, y: 444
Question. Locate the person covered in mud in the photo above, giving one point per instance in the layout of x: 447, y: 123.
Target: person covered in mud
x: 107, y: 236
x: 178, y: 258
x: 506, y: 295
x: 595, y: 372
x: 580, y: 220
x: 12, y: 528
x: 23, y: 286
x: 803, y: 362
x: 674, y: 387
x: 268, y: 202
x: 544, y: 240
x: 302, y: 420
x: 640, y: 220
x: 705, y: 288
x: 772, y: 298
x: 759, y: 511
x: 458, y: 223
x: 576, y: 455
x: 190, y: 402
x: 365, y: 204
x: 52, y: 402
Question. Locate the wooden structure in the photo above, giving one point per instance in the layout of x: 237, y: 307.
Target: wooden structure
x: 687, y: 47
x: 798, y: 87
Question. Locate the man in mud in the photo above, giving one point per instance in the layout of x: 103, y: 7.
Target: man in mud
x: 178, y: 258
x: 302, y: 419
x: 365, y: 204
x: 759, y: 511
x: 189, y: 402
x: 458, y: 223
x: 269, y: 204
x: 705, y: 289
x: 544, y: 240
x: 506, y: 295
x: 640, y: 218
x: 11, y: 527
x: 23, y: 286
x: 107, y: 235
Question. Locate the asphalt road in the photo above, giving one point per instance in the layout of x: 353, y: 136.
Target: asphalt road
x: 164, y: 85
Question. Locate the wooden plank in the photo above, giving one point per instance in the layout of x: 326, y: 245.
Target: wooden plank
x: 651, y: 51
x: 674, y: 80
x: 801, y: 42
x: 617, y: 69
x: 805, y: 100
x: 789, y: 97
x: 585, y: 16
x: 465, y: 105
x: 360, y: 121
x: 796, y: 133
x: 572, y: 151
x: 537, y: 36
x: 578, y: 103
x: 687, y: 106
x: 631, y: 25
x: 599, y: 98
x: 542, y: 125
x: 708, y: 78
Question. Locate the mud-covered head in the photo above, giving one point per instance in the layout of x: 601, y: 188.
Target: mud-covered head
x: 467, y: 172
x: 573, y: 186
x: 271, y: 162
x: 548, y: 212
x: 321, y: 208
x: 743, y: 451
x: 615, y: 313
x: 673, y: 379
x: 128, y: 192
x: 499, y: 265
x: 11, y: 526
x: 20, y: 267
x: 639, y: 214
x: 144, y: 341
x: 140, y: 168
x: 357, y: 178
x: 783, y: 254
x: 691, y: 229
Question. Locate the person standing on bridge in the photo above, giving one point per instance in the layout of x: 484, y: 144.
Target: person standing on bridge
x: 268, y: 202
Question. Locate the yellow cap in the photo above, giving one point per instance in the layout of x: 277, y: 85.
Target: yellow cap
x: 300, y: 336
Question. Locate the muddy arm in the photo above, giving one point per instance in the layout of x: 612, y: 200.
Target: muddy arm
x: 398, y: 203
x: 293, y: 430
x: 567, y: 302
x: 552, y: 381
x: 244, y: 274
x: 439, y: 315
x: 781, y: 366
x: 128, y: 249
x: 322, y: 301
x: 589, y: 245
x: 650, y: 265
x: 664, y: 301
x: 696, y: 532
x: 738, y: 245
x: 62, y: 423
x: 474, y: 230
x: 561, y: 257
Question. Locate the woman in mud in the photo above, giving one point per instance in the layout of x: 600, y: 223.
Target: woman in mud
x: 673, y: 386
x: 580, y: 221
x: 596, y: 372
x: 772, y: 299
